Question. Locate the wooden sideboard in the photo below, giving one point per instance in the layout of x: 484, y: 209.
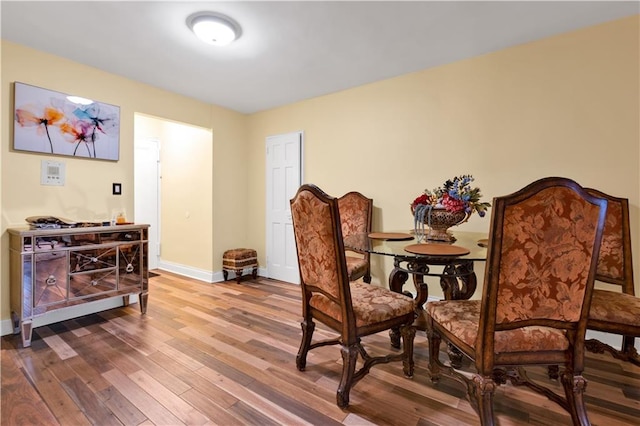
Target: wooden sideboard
x: 53, y: 269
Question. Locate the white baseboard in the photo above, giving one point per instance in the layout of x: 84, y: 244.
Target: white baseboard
x: 201, y: 274
x: 6, y: 327
x: 187, y: 271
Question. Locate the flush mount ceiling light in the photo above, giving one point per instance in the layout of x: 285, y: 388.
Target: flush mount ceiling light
x: 214, y: 28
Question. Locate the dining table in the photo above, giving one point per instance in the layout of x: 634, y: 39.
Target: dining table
x: 416, y: 256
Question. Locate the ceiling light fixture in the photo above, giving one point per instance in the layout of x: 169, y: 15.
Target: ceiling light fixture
x: 214, y: 28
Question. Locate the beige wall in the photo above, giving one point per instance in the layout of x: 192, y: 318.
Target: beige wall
x: 187, y: 196
x: 564, y: 106
x: 87, y: 193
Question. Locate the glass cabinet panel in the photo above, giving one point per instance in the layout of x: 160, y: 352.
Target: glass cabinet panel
x: 130, y: 266
x: 50, y: 283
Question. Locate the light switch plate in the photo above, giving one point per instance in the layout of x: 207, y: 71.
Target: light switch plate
x: 53, y: 173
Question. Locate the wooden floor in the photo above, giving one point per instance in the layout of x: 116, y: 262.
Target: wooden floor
x: 225, y: 354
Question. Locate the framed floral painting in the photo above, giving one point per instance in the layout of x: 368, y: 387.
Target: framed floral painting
x: 51, y: 122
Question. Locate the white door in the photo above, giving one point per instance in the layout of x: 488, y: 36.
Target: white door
x: 147, y: 192
x: 284, y: 177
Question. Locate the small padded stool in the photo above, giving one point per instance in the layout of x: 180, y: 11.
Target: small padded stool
x: 238, y: 259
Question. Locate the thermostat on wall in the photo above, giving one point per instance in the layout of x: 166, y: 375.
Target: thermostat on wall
x: 53, y: 173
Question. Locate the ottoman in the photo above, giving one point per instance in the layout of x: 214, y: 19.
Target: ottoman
x: 238, y: 259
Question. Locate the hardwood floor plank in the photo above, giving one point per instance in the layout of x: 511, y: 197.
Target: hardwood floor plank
x: 148, y: 405
x: 197, y: 382
x: 242, y: 392
x: 92, y: 406
x: 121, y: 407
x: 63, y: 350
x: 223, y: 347
x: 117, y: 354
x: 136, y: 342
x: 169, y: 399
x: 210, y: 408
x: 51, y: 391
x: 87, y: 349
x: 293, y: 405
x: 250, y: 415
x: 20, y: 402
x: 225, y: 353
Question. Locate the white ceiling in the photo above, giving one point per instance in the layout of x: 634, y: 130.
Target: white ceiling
x: 288, y: 51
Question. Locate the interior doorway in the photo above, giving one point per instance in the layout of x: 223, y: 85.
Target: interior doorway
x: 173, y: 192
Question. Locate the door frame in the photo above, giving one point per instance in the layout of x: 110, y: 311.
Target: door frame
x: 152, y: 251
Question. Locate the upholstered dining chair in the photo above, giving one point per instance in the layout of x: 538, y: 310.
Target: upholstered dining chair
x: 352, y: 310
x: 541, y: 264
x: 615, y: 312
x: 356, y: 212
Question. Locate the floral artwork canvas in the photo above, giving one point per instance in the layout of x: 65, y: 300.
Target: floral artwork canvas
x: 55, y: 123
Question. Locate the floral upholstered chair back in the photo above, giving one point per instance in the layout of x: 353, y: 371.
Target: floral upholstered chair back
x: 320, y: 249
x: 542, y: 258
x: 615, y: 265
x: 355, y: 213
x: 355, y: 218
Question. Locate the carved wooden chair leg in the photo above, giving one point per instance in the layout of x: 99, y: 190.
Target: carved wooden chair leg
x: 408, y: 335
x: 553, y: 371
x: 574, y: 387
x: 349, y: 359
x: 434, y: 353
x: 482, y: 392
x: 307, y: 332
x: 394, y: 336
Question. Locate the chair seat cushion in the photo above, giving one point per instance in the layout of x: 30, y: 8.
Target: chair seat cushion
x: 371, y: 304
x: 462, y: 317
x: 615, y: 307
x: 356, y: 267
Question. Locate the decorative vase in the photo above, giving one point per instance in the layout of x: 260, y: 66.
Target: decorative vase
x: 438, y: 220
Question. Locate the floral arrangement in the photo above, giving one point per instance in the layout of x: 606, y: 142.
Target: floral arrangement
x: 455, y: 195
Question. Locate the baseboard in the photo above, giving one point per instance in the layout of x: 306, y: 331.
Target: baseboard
x: 64, y: 314
x: 6, y: 327
x: 187, y: 271
x: 201, y: 274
